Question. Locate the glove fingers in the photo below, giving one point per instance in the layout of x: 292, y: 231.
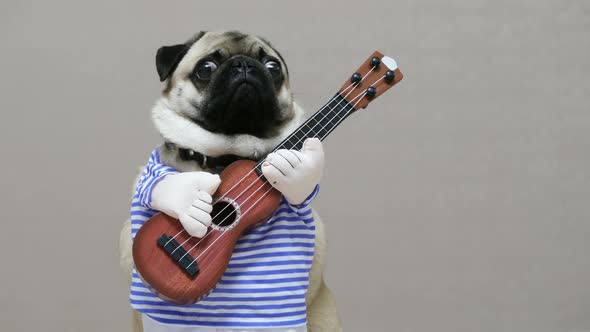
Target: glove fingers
x: 193, y: 227
x: 204, y: 206
x: 312, y: 146
x: 199, y: 215
x: 290, y: 156
x: 203, y: 196
x: 208, y: 182
x: 272, y: 174
x: 280, y: 163
x: 299, y: 154
x: 314, y: 153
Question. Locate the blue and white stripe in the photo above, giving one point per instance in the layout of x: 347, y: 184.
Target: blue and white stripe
x: 267, y: 277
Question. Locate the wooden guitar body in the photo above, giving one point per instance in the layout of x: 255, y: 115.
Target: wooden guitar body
x: 252, y: 200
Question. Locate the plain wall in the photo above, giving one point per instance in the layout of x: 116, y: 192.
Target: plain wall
x: 459, y: 201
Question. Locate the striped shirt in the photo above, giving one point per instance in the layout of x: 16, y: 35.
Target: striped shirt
x: 266, y: 280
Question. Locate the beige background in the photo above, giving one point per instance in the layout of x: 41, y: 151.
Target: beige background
x: 457, y: 202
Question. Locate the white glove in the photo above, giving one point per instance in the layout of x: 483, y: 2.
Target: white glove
x: 295, y: 174
x: 187, y: 197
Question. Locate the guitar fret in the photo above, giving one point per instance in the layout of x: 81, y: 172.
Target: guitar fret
x: 293, y: 142
x: 309, y: 134
x: 338, y: 116
x: 306, y: 127
x: 314, y: 120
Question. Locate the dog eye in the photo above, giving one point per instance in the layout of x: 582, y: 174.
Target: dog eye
x: 205, y: 69
x: 273, y: 66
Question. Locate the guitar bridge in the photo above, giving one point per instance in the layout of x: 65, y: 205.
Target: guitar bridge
x: 179, y: 255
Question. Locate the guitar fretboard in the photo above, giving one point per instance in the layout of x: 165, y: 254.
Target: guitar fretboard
x: 319, y: 125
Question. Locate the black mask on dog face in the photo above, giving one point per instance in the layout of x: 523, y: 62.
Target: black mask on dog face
x: 241, y: 94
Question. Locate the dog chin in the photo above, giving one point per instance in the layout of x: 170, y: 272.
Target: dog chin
x: 245, y: 91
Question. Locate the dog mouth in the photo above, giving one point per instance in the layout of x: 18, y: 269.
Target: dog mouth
x: 245, y: 89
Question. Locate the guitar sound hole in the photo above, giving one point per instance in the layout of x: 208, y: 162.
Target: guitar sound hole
x: 223, y: 214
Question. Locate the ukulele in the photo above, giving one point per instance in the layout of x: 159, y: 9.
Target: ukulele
x: 182, y: 269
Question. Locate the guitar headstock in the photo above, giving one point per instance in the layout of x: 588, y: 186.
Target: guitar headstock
x: 375, y: 76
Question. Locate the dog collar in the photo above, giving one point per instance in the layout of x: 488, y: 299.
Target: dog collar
x: 208, y: 162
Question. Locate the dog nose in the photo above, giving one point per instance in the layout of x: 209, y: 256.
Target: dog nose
x: 242, y: 65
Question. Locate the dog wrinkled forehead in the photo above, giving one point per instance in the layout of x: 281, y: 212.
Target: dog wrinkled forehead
x: 227, y: 44
x: 233, y: 42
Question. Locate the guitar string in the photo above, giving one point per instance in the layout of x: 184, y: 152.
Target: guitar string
x: 250, y: 172
x: 299, y: 141
x: 263, y: 195
x: 352, y: 85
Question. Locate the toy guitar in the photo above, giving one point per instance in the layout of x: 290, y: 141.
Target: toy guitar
x: 182, y: 269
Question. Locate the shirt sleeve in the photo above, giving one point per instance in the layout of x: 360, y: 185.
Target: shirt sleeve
x: 304, y: 209
x: 154, y: 172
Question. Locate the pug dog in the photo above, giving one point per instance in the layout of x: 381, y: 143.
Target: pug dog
x: 226, y: 96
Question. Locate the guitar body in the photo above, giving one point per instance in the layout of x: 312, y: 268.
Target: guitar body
x: 247, y: 201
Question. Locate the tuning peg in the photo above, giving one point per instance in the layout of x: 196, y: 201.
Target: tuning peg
x: 389, y: 76
x: 356, y: 78
x: 371, y: 92
x: 375, y: 61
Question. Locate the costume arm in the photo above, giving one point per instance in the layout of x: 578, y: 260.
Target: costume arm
x: 303, y: 210
x: 153, y: 173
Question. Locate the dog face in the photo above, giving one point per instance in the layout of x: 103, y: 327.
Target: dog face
x: 228, y: 83
x: 225, y: 93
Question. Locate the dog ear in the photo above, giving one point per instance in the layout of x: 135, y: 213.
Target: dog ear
x: 168, y: 58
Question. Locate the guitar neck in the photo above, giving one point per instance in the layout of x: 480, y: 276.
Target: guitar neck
x: 320, y: 124
x: 375, y: 76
